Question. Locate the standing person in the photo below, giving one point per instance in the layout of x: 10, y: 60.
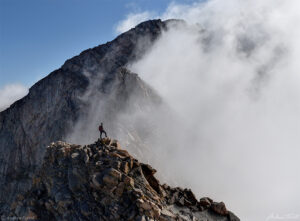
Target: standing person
x: 101, y: 129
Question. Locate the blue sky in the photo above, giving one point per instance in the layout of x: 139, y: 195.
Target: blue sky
x: 37, y: 36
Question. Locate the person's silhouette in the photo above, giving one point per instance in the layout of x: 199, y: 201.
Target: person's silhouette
x: 101, y: 130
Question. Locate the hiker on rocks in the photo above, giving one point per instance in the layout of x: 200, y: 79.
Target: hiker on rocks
x: 101, y: 129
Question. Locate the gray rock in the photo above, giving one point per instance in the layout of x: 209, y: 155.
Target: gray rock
x: 73, y: 181
x: 54, y: 103
x: 85, y: 209
x: 219, y: 208
x: 97, y: 180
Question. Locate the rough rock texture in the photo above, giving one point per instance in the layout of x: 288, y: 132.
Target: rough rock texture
x: 55, y: 103
x: 104, y: 182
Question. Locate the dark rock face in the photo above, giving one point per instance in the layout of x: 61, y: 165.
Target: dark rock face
x: 104, y: 182
x: 26, y: 126
x: 54, y: 104
x: 99, y: 181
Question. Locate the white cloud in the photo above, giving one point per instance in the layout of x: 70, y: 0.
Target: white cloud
x: 11, y: 93
x: 132, y: 20
x: 232, y: 78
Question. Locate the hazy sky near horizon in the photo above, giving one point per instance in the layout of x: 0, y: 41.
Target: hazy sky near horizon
x: 37, y: 36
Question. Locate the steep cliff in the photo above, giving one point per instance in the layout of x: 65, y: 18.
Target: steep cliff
x: 55, y: 103
x: 104, y: 182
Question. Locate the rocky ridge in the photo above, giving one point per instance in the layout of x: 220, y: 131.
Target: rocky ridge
x: 101, y: 181
x: 54, y: 104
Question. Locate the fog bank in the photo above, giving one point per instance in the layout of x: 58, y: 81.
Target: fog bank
x: 231, y: 76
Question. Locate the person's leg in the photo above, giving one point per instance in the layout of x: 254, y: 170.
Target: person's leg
x: 105, y: 133
x: 100, y: 134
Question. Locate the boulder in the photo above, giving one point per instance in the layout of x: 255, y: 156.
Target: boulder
x: 219, y: 208
x: 205, y: 202
x: 97, y: 180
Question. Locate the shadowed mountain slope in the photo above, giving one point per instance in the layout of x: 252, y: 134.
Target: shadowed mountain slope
x: 55, y: 103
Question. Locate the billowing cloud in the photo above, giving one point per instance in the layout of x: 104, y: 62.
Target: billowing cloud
x: 132, y: 20
x: 232, y: 78
x: 11, y: 93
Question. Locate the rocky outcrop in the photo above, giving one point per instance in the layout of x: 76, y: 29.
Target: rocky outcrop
x: 104, y: 182
x: 54, y: 104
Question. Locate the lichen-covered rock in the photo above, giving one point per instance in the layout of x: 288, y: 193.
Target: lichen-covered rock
x: 68, y: 188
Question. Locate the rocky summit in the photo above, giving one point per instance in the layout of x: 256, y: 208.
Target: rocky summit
x: 102, y: 181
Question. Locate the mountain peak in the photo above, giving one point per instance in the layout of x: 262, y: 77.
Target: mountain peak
x: 54, y: 104
x: 118, y: 52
